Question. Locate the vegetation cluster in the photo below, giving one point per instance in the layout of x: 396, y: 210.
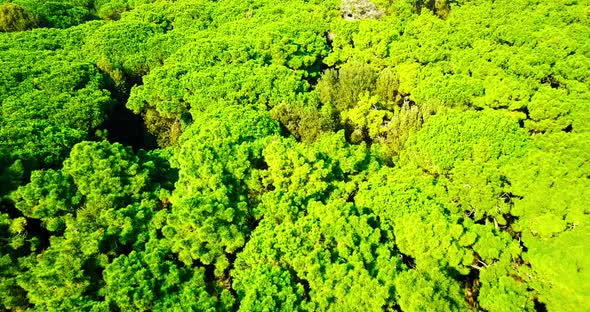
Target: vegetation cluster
x: 307, y: 155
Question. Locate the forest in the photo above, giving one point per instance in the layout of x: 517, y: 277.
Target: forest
x: 295, y: 155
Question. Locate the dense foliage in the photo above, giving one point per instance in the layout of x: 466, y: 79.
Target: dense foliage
x: 305, y: 155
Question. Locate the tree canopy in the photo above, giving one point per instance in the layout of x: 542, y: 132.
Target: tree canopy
x: 305, y: 155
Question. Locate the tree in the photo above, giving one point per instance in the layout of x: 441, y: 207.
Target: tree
x: 220, y: 170
x: 104, y: 201
x: 15, y: 18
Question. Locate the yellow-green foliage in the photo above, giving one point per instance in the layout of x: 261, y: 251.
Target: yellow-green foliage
x: 15, y: 18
